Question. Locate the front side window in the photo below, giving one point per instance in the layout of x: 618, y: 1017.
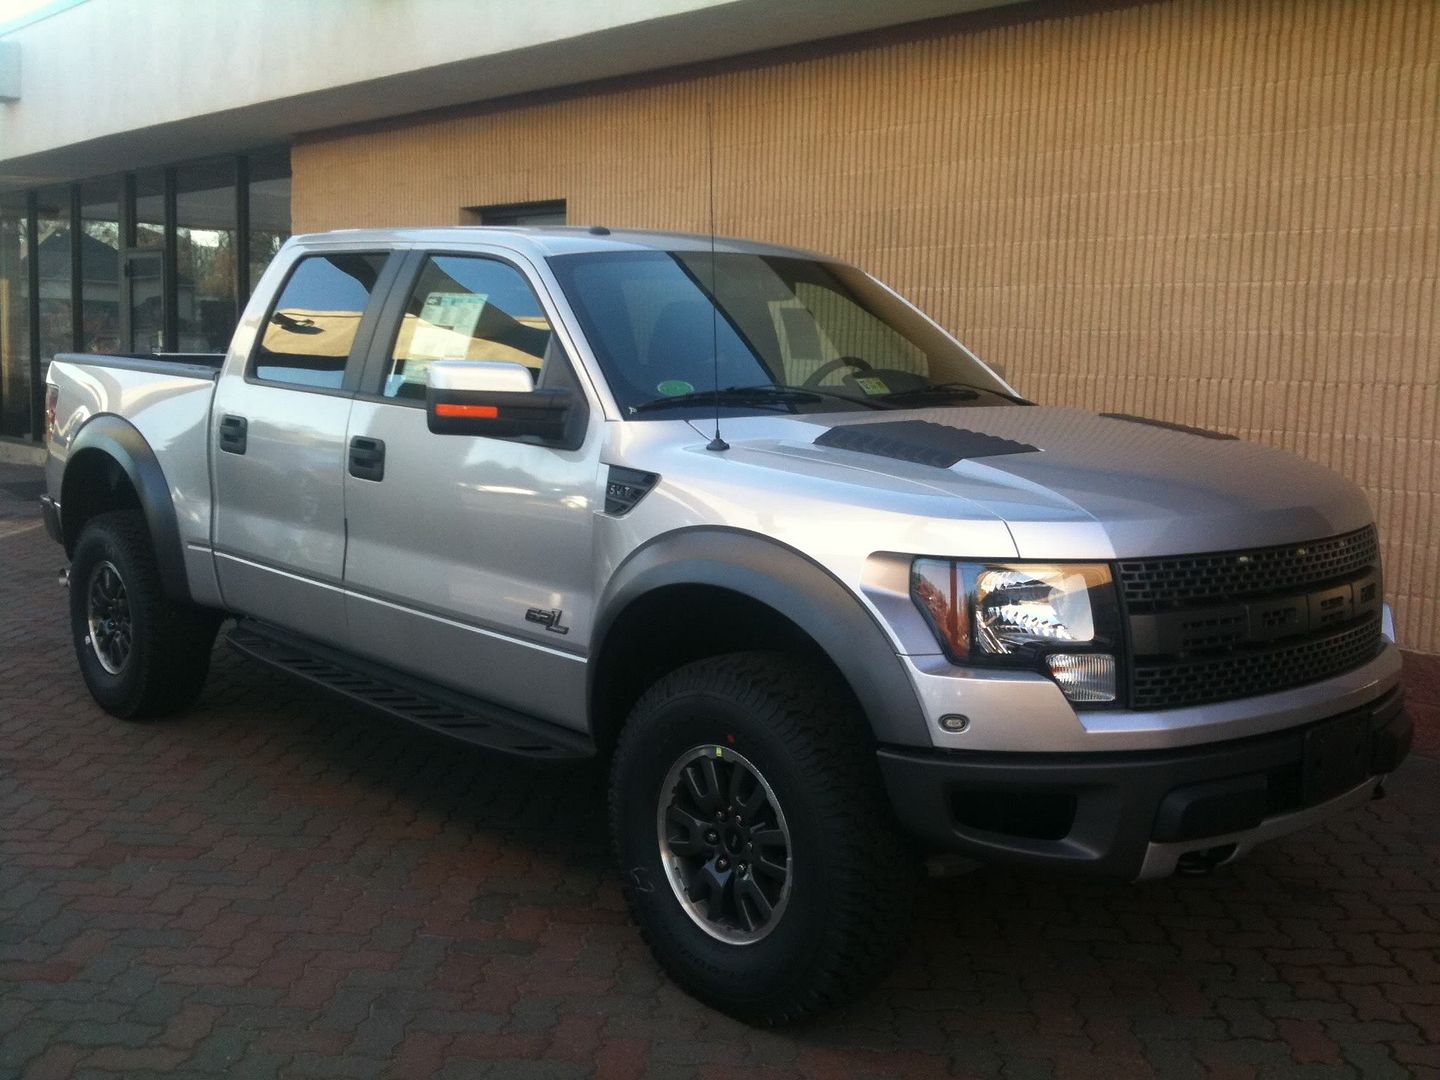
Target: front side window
x: 310, y: 332
x: 466, y: 307
x: 769, y: 333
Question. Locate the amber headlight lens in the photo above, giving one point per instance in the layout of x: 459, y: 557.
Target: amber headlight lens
x: 1022, y: 612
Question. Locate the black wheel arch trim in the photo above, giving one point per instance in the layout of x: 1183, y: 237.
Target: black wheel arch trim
x: 122, y: 442
x: 794, y: 586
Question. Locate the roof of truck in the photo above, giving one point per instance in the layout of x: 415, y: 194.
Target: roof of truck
x: 550, y: 240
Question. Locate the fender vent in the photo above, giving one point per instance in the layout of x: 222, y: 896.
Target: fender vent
x: 921, y: 442
x: 626, y: 487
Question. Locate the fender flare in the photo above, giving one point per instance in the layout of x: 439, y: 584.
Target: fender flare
x: 122, y: 442
x: 795, y: 587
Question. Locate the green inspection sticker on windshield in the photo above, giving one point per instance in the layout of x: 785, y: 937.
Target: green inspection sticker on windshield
x: 872, y: 386
x: 675, y: 387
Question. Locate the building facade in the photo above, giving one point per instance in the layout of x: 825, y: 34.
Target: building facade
x: 1223, y: 213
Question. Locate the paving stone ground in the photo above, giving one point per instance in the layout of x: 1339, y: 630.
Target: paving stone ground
x: 275, y: 885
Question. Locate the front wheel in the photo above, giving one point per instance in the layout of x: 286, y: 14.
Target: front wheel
x: 754, y: 838
x: 140, y: 653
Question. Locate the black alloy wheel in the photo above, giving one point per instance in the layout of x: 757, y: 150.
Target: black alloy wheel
x: 724, y: 844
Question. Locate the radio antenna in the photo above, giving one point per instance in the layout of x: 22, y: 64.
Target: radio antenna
x: 717, y: 443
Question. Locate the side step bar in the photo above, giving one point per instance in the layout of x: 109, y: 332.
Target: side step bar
x: 404, y: 697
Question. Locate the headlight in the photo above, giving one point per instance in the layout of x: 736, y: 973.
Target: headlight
x: 1061, y: 618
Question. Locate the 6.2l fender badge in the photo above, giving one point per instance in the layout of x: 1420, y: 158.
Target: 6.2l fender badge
x: 548, y: 618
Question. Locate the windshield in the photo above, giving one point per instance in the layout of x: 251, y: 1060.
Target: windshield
x: 777, y: 326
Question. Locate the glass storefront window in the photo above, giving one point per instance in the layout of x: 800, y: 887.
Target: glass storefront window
x: 205, y: 251
x: 100, y: 266
x: 130, y: 297
x: 52, y: 213
x: 15, y: 387
x: 269, y: 208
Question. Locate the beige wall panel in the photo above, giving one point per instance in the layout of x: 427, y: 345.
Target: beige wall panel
x: 1224, y: 213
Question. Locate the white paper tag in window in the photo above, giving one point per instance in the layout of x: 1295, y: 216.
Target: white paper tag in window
x: 447, y: 325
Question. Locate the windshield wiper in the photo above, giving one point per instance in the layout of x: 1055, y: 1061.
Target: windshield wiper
x: 963, y: 391
x: 763, y: 394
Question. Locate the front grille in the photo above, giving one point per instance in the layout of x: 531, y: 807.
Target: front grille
x: 1149, y: 585
x: 1216, y: 627
x: 1198, y: 681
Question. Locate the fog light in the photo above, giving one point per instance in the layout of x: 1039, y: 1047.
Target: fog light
x: 1084, y: 677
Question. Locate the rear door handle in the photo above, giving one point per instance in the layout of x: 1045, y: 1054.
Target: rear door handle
x: 367, y: 458
x: 234, y: 433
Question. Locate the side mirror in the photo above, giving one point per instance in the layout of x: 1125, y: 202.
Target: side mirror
x: 496, y: 399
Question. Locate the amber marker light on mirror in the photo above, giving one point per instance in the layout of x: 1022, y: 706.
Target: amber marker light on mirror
x: 469, y: 412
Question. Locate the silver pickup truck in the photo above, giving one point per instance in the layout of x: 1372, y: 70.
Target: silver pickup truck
x: 820, y: 586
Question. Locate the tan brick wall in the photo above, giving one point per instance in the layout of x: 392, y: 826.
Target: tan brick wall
x: 1222, y: 213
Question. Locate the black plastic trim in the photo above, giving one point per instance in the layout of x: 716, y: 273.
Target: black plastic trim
x: 1184, y: 429
x: 920, y: 441
x: 544, y: 416
x: 793, y: 586
x: 186, y: 365
x: 405, y: 697
x: 1120, y: 796
x: 120, y: 440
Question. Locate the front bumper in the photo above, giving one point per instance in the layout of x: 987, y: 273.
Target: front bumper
x: 1135, y: 814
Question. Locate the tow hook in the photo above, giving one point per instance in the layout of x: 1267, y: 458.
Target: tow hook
x: 64, y: 579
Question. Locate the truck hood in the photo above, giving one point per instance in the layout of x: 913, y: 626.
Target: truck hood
x: 1094, y: 486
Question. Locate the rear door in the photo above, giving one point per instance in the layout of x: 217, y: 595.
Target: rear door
x: 278, y: 445
x: 470, y: 558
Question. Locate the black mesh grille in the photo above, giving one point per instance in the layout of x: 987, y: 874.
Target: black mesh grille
x: 1150, y: 585
x: 1163, y: 685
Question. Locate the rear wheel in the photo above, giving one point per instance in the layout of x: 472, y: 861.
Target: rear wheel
x: 140, y: 653
x: 755, y: 840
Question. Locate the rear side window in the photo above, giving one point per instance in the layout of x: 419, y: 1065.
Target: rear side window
x: 311, y: 329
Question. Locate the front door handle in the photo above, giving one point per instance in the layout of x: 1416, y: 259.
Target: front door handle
x: 367, y: 458
x: 234, y: 433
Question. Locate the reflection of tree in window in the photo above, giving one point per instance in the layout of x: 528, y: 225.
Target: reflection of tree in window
x: 309, y: 334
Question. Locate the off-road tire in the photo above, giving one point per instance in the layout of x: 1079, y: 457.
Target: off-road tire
x: 170, y: 642
x: 853, y: 877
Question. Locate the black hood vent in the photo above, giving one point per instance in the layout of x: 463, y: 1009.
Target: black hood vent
x: 920, y: 441
x: 1186, y: 429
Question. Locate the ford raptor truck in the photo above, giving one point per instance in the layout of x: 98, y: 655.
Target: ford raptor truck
x: 823, y: 590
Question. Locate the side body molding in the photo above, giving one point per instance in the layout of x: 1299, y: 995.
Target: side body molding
x: 118, y: 439
x: 793, y: 586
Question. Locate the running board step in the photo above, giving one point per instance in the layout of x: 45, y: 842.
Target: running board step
x: 404, y: 697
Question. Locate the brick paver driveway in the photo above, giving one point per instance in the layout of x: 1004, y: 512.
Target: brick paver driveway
x: 274, y: 884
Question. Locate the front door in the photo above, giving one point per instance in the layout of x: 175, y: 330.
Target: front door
x: 470, y: 558
x: 278, y: 448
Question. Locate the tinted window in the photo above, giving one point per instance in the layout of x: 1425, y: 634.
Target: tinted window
x: 312, y: 327
x: 677, y: 325
x: 466, y: 308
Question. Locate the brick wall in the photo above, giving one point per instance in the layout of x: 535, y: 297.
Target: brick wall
x: 1222, y: 213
